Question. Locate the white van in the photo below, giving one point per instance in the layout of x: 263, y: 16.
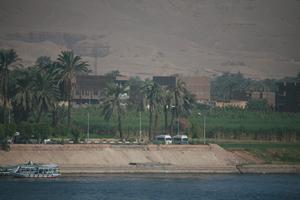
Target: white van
x: 163, y: 139
x: 180, y: 139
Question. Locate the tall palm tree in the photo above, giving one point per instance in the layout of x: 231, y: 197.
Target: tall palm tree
x: 178, y: 93
x: 68, y: 66
x: 152, y: 93
x: 167, y: 100
x: 113, y: 103
x: 7, y: 58
x: 44, y: 64
x: 46, y: 93
x: 24, y: 96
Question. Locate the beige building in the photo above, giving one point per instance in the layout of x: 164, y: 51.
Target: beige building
x: 199, y: 86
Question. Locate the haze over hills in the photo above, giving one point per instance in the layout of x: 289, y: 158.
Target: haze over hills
x: 160, y: 37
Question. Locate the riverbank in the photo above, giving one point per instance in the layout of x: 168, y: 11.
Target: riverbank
x: 130, y: 159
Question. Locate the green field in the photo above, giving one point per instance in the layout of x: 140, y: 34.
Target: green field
x: 220, y: 124
x: 270, y: 152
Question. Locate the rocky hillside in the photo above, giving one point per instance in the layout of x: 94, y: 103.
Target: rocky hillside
x: 142, y: 37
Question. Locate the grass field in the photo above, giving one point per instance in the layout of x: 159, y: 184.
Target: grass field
x: 270, y: 152
x: 220, y: 124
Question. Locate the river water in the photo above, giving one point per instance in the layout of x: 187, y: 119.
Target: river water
x: 141, y: 187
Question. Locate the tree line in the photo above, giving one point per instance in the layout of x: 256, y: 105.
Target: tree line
x: 44, y: 89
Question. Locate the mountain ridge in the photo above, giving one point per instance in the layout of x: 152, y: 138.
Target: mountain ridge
x: 140, y: 37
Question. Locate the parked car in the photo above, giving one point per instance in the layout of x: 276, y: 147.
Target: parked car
x: 163, y: 139
x: 180, y: 139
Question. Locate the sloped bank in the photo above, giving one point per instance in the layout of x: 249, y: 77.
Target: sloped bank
x: 103, y: 158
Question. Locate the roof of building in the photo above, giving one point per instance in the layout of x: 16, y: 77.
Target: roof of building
x: 91, y: 82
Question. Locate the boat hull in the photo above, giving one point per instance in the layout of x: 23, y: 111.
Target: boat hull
x: 27, y: 175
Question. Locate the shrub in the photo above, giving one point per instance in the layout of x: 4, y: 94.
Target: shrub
x: 257, y: 105
x: 76, y: 134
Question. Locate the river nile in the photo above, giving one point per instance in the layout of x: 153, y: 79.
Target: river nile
x: 141, y: 187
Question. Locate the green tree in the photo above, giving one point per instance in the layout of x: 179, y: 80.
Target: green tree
x: 179, y: 92
x: 167, y: 101
x: 76, y: 134
x: 45, y: 65
x: 69, y: 65
x: 43, y: 62
x: 257, y: 105
x: 23, y: 99
x: 46, y: 93
x: 113, y: 103
x: 225, y: 86
x: 7, y: 58
x: 152, y: 92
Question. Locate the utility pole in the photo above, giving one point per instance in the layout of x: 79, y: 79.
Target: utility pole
x: 96, y: 61
x: 204, y: 128
x: 88, y: 130
x: 177, y: 125
x: 8, y: 116
x: 88, y: 116
x: 140, y: 126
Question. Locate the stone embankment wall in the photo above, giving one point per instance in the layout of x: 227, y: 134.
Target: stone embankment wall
x: 124, y: 158
x: 106, y: 158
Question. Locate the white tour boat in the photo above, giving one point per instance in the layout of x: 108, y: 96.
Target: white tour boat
x: 33, y: 170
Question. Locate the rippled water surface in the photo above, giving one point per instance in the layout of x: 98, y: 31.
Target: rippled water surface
x: 154, y: 187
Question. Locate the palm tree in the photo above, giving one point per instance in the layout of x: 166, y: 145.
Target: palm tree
x: 113, y: 103
x: 68, y: 66
x: 44, y: 64
x: 46, y: 93
x: 24, y: 96
x: 167, y: 100
x: 189, y: 101
x: 178, y: 93
x: 7, y: 58
x: 152, y: 93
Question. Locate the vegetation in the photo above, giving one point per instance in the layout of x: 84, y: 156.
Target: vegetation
x: 7, y: 58
x: 113, y: 103
x: 36, y: 95
x: 232, y: 85
x: 269, y: 152
x: 67, y: 67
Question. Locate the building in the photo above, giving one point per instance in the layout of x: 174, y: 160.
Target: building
x: 288, y: 96
x: 199, y: 86
x: 167, y: 81
x: 88, y: 88
x: 268, y: 96
x: 231, y: 103
x: 121, y: 79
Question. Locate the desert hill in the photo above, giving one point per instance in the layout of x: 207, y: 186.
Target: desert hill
x: 143, y: 37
